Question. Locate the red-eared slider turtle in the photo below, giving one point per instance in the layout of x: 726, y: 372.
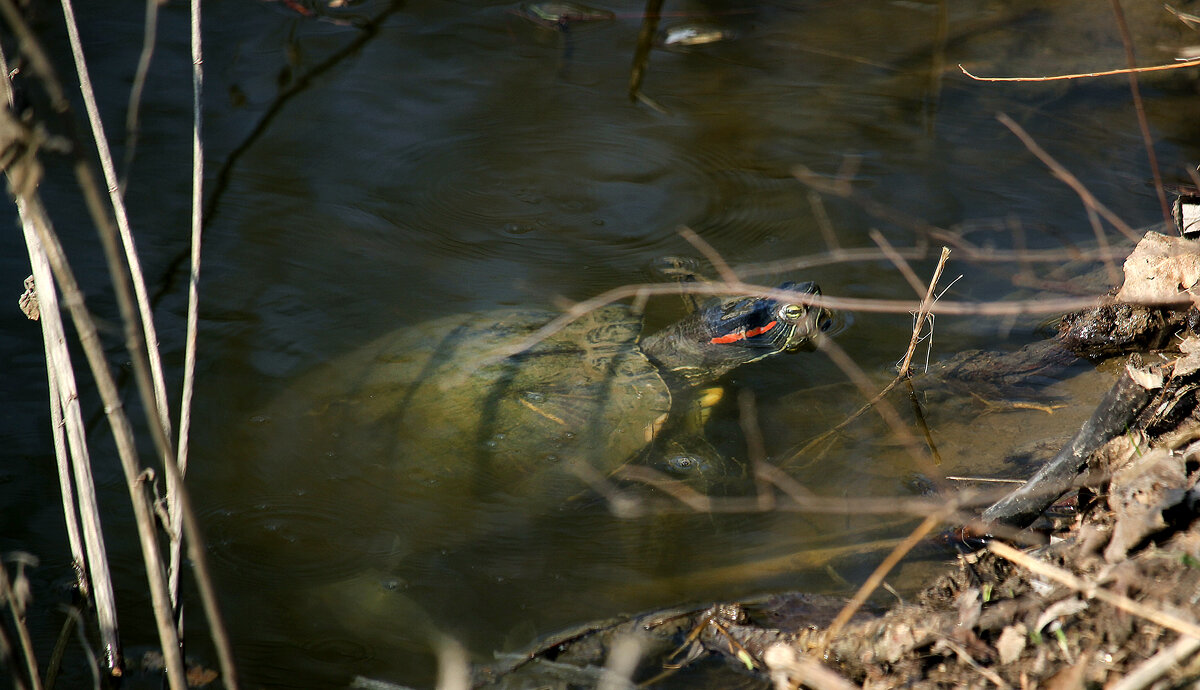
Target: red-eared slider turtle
x: 434, y: 401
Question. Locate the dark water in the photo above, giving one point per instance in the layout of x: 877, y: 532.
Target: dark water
x: 462, y: 158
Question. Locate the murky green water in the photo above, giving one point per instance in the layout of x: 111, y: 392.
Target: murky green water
x: 465, y: 159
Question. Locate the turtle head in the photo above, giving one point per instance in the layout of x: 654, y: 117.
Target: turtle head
x: 761, y: 326
x: 732, y: 331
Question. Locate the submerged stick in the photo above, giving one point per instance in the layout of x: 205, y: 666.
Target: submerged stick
x: 1112, y: 417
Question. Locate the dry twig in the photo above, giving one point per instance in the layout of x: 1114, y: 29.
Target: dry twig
x: 876, y: 578
x: 1191, y: 62
x: 1093, y: 590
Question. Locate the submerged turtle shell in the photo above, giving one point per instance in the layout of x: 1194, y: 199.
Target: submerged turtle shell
x: 433, y: 399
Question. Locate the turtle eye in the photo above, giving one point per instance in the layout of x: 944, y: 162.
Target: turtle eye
x: 792, y: 311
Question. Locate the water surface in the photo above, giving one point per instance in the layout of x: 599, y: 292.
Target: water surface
x: 463, y: 159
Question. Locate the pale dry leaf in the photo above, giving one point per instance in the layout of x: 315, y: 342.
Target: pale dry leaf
x: 1011, y: 643
x: 1143, y: 489
x: 1061, y: 609
x: 1189, y: 361
x: 1159, y: 268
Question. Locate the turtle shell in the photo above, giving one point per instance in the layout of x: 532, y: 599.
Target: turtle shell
x: 433, y: 401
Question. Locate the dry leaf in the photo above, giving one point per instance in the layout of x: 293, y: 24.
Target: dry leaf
x: 1189, y: 361
x: 1143, y: 490
x: 1011, y: 643
x: 1159, y: 268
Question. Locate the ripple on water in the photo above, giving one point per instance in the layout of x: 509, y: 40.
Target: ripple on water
x: 301, y: 538
x: 487, y: 195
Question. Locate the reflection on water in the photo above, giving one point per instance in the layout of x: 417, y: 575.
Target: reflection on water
x: 466, y: 160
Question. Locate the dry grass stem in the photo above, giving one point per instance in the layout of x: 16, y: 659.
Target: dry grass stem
x: 923, y: 313
x: 1190, y: 62
x: 1092, y: 590
x: 92, y: 571
x: 1157, y: 666
x: 16, y: 601
x: 148, y: 337
x: 189, y: 355
x: 142, y: 355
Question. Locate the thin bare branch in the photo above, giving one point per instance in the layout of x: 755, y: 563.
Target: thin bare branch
x: 1140, y: 109
x: 898, y: 261
x: 1190, y: 62
x: 714, y: 257
x: 1063, y: 174
x: 876, y: 578
x: 1093, y: 590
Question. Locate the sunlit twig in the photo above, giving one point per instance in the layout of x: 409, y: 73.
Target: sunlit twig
x: 1190, y: 62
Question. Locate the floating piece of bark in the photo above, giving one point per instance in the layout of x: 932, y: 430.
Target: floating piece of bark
x: 1114, y: 415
